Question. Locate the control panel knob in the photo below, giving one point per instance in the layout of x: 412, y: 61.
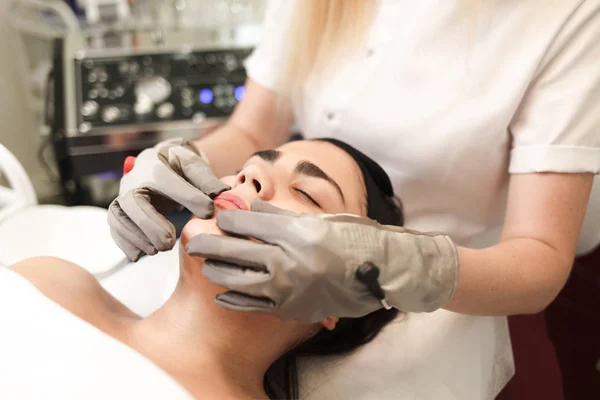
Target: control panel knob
x: 143, y: 106
x: 156, y: 88
x: 89, y: 108
x: 153, y: 90
x: 111, y: 114
x: 165, y: 111
x: 230, y: 62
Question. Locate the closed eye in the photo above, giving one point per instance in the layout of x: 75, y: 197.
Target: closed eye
x: 307, y: 196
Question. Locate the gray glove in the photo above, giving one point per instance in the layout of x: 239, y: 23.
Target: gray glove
x: 165, y: 178
x: 305, y: 267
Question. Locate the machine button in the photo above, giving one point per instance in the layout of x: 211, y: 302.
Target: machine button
x: 89, y: 108
x: 134, y: 67
x: 187, y: 103
x: 143, y: 106
x: 218, y: 90
x: 239, y: 93
x: 231, y: 101
x: 220, y: 102
x: 186, y: 93
x: 199, y: 117
x: 92, y: 94
x: 92, y: 77
x: 85, y: 127
x: 123, y: 68
x: 231, y: 62
x: 165, y: 110
x: 103, y: 93
x: 102, y: 76
x: 210, y: 59
x: 111, y: 114
x: 192, y: 60
x: 119, y: 91
x: 206, y: 96
x: 147, y: 61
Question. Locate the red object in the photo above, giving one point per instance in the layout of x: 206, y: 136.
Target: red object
x: 574, y: 328
x: 537, y: 373
x: 557, y: 352
x: 128, y: 165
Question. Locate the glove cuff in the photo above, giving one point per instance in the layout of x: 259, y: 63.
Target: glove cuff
x: 422, y: 275
x: 455, y: 271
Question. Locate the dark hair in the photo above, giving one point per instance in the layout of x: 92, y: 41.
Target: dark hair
x: 281, y: 379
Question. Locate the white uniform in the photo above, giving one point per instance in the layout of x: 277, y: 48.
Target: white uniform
x: 450, y: 116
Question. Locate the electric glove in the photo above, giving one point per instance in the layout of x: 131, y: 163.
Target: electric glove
x: 304, y: 266
x: 165, y: 178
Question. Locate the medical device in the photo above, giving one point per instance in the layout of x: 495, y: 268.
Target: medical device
x: 120, y: 80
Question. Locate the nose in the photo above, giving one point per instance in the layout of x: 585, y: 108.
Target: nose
x: 257, y: 180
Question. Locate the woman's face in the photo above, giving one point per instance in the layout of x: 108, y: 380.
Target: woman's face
x: 305, y: 176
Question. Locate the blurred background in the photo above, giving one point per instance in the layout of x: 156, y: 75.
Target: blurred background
x: 88, y: 82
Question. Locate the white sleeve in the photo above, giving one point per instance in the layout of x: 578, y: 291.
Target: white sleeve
x: 265, y: 64
x: 557, y: 126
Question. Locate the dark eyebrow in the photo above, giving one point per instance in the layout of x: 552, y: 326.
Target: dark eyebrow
x: 268, y: 155
x: 309, y: 169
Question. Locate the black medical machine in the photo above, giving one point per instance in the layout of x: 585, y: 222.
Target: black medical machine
x: 114, y: 77
x: 105, y: 105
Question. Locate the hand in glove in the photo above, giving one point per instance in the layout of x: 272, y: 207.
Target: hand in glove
x: 165, y: 178
x: 305, y: 266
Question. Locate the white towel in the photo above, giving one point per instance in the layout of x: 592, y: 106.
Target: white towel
x: 48, y: 353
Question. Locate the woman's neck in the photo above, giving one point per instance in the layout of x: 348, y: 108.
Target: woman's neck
x: 208, y: 348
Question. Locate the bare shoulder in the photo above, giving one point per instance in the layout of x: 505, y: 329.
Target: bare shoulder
x: 72, y: 287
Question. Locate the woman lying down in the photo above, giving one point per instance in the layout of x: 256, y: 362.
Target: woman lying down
x: 216, y: 353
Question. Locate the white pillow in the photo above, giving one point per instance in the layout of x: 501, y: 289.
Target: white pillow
x: 436, y: 356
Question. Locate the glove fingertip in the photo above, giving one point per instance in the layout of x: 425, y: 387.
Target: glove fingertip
x: 204, y: 210
x: 238, y: 299
x: 219, y: 188
x: 198, y: 242
x: 134, y: 256
x: 222, y: 301
x: 226, y: 219
x: 261, y: 206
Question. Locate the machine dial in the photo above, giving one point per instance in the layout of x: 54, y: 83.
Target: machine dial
x: 157, y: 89
x: 89, y: 108
x: 165, y: 111
x: 111, y: 114
x: 149, y: 92
x: 143, y: 106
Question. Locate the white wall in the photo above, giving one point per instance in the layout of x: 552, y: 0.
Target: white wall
x: 18, y: 125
